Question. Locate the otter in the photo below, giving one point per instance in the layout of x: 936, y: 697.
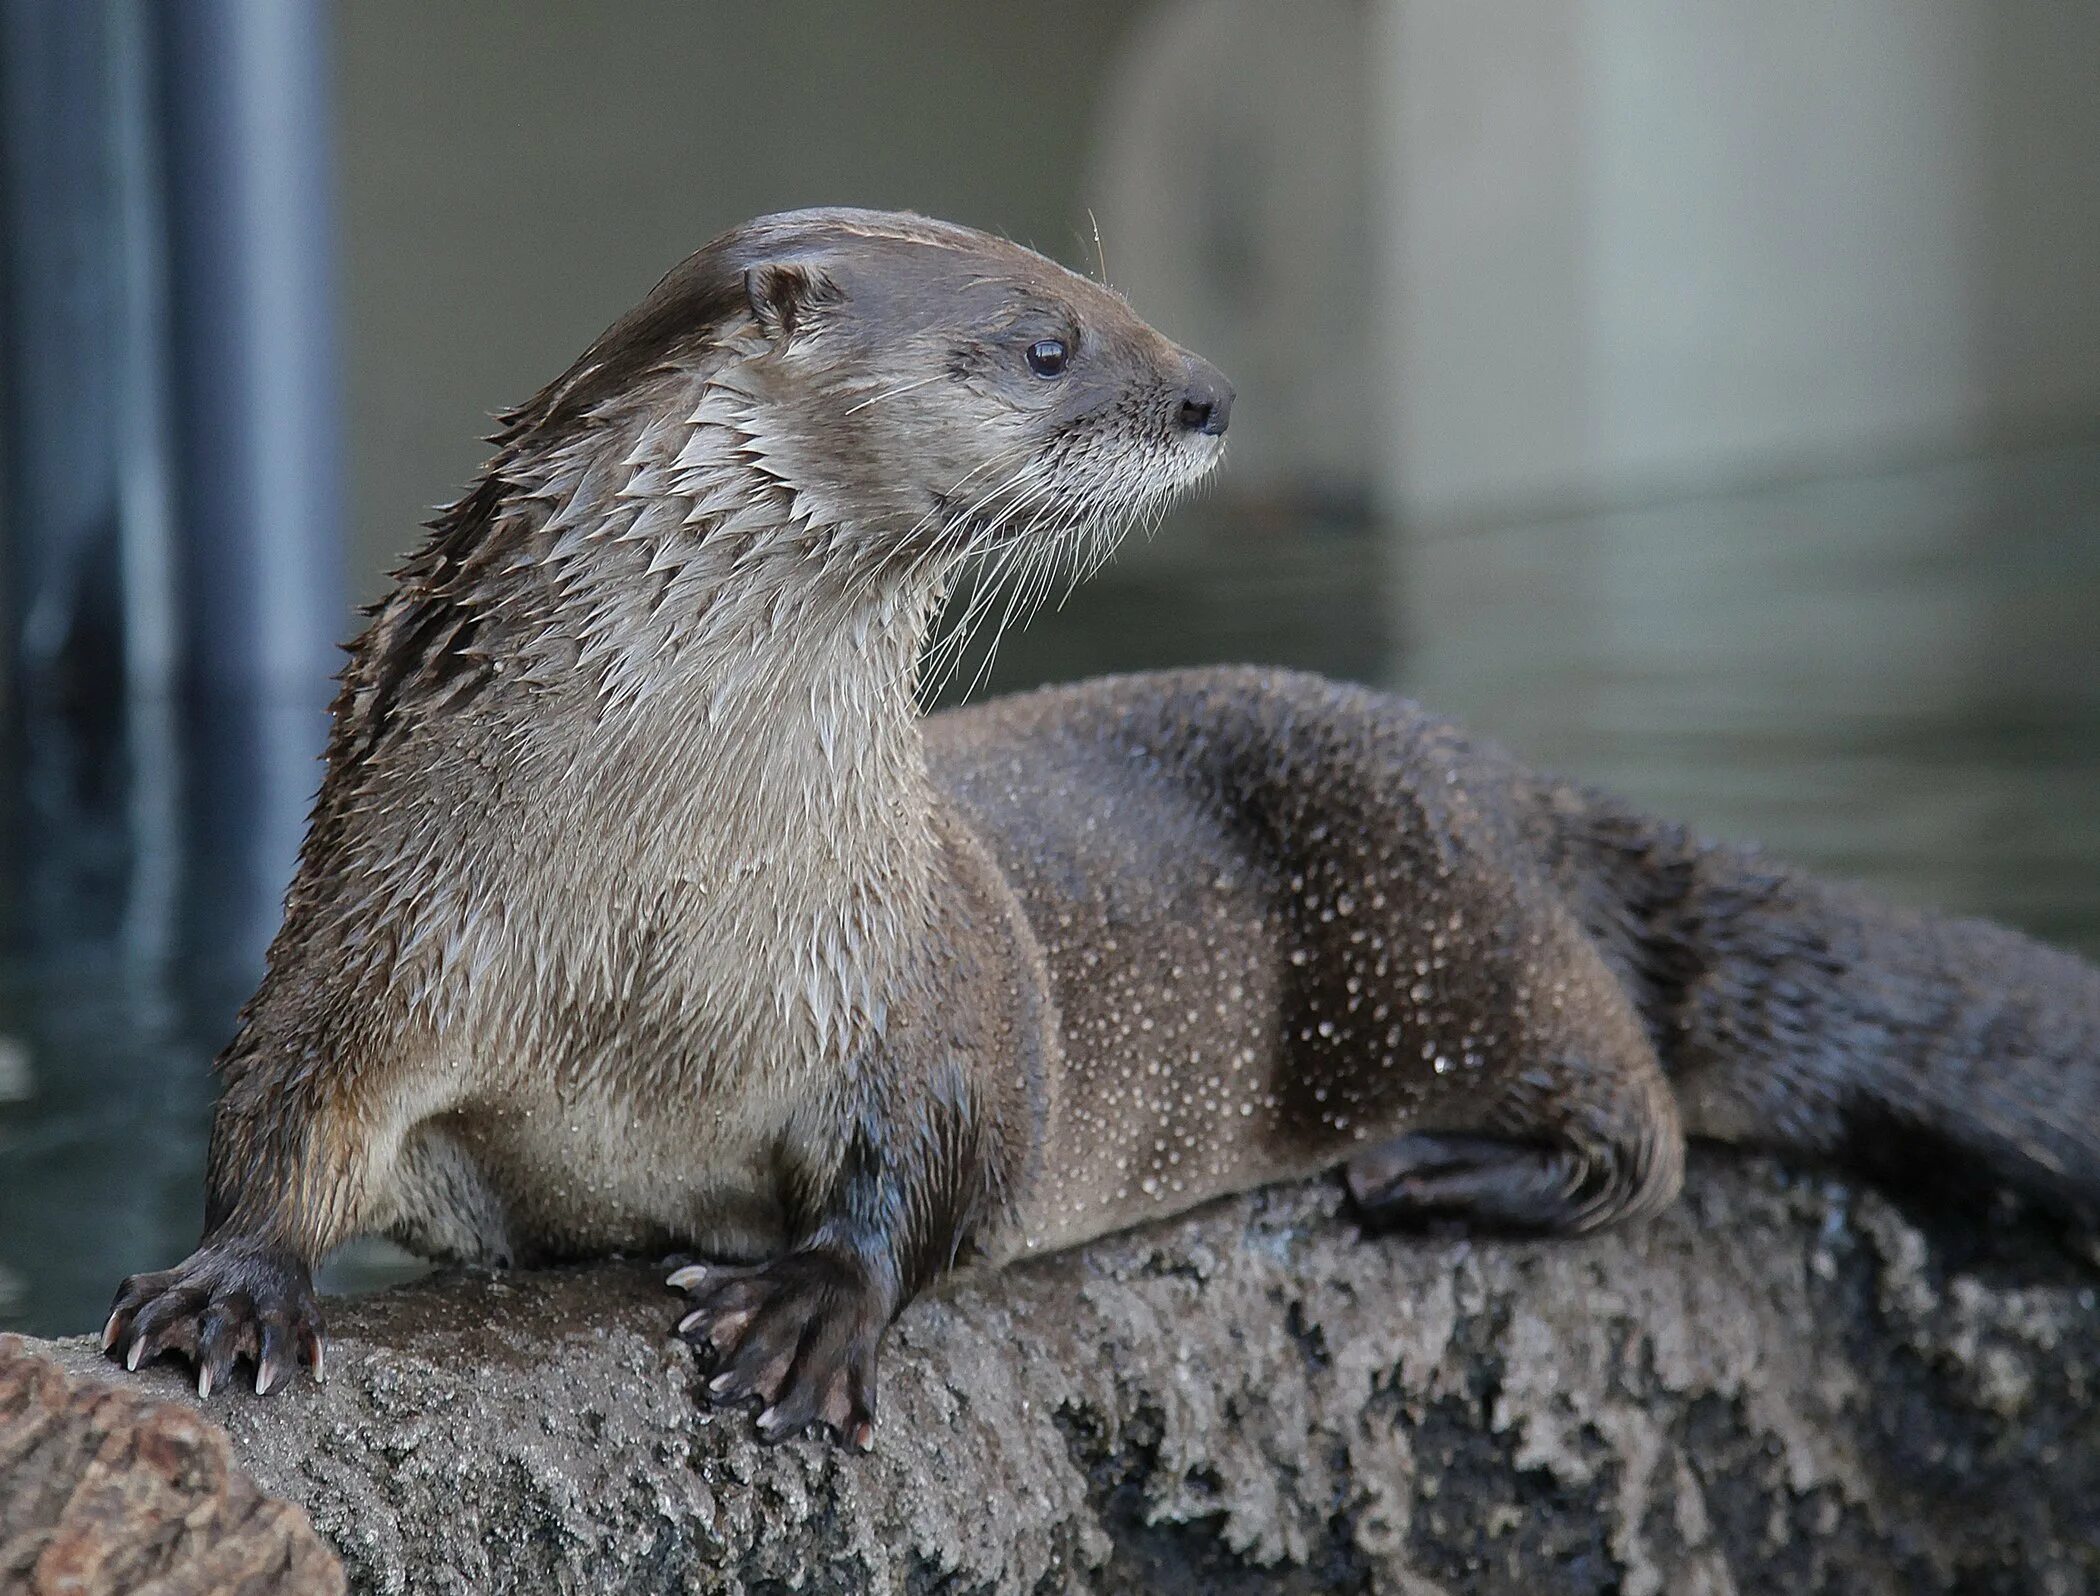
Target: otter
x: 643, y: 911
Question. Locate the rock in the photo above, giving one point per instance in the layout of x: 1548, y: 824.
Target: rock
x: 108, y: 1490
x: 1783, y: 1384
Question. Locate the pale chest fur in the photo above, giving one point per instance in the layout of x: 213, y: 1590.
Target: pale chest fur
x: 664, y: 936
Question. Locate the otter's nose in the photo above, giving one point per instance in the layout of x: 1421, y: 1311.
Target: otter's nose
x: 1206, y: 403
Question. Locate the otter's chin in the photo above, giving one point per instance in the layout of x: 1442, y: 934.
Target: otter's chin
x: 1198, y: 461
x: 1201, y: 456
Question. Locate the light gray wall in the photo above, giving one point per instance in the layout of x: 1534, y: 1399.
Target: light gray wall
x: 1656, y: 244
x: 1492, y: 256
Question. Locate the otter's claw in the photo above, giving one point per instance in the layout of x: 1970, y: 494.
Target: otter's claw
x: 797, y: 1335
x: 226, y: 1302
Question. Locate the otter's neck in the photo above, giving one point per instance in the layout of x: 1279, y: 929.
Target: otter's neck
x: 742, y: 677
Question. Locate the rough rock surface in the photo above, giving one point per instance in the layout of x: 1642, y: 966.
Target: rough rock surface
x: 1783, y: 1384
x: 111, y: 1490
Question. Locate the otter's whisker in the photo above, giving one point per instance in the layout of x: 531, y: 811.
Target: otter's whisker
x: 891, y: 393
x: 865, y: 582
x: 954, y: 639
x: 954, y: 645
x: 995, y: 560
x: 1013, y: 552
x: 1042, y: 557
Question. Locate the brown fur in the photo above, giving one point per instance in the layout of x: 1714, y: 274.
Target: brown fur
x: 642, y: 911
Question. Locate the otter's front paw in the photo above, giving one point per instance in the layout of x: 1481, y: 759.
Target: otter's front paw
x: 799, y: 1334
x: 226, y: 1301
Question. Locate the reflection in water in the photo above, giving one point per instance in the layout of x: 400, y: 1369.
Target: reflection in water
x: 147, y: 861
x: 1895, y: 678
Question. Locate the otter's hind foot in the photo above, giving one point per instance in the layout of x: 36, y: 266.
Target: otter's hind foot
x: 227, y: 1301
x: 798, y: 1334
x: 1503, y: 1184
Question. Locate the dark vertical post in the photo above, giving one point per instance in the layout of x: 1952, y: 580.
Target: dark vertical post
x: 88, y: 630
x: 83, y: 563
x: 245, y: 93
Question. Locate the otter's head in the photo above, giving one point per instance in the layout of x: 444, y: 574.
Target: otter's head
x: 927, y: 387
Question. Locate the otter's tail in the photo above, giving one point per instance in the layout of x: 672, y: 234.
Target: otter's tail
x: 1804, y: 1017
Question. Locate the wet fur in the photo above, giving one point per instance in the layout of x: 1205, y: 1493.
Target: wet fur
x: 641, y: 909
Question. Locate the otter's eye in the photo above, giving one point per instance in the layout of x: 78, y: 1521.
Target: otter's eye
x: 1047, y: 357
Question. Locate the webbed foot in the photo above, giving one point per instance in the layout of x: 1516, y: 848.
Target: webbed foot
x: 226, y: 1302
x: 798, y: 1334
x: 1497, y: 1184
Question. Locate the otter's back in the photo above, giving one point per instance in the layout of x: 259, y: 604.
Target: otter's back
x: 1176, y: 842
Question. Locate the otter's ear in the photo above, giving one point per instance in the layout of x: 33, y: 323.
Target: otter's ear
x: 786, y: 294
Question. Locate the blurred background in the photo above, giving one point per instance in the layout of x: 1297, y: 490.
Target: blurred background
x: 1703, y: 398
